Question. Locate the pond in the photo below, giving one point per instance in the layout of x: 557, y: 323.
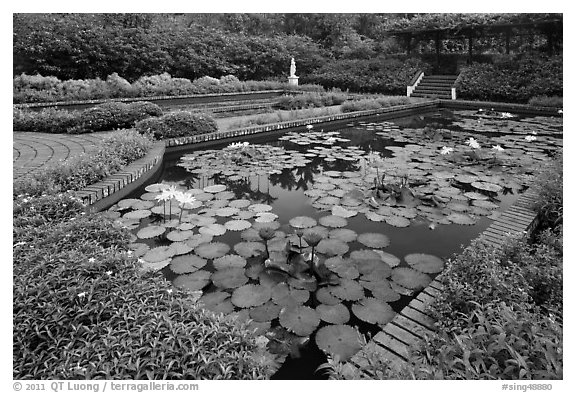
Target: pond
x: 321, y: 237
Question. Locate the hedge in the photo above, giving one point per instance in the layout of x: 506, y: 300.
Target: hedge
x: 177, y: 124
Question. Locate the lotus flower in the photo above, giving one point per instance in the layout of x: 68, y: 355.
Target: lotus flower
x: 530, y: 138
x: 498, y: 148
x: 446, y: 150
x: 473, y: 143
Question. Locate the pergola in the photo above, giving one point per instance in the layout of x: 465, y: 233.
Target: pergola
x: 551, y: 27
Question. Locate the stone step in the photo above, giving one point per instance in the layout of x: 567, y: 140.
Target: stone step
x: 431, y: 95
x: 431, y: 90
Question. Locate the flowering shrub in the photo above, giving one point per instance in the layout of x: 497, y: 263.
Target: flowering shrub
x: 177, y: 124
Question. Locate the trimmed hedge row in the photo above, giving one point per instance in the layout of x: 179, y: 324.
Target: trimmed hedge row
x: 310, y: 100
x: 103, y: 117
x: 38, y: 88
x: 177, y: 124
x: 512, y: 80
x: 375, y: 103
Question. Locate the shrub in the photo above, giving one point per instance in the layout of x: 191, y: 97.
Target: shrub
x: 310, y: 100
x: 552, y: 102
x: 375, y: 103
x: 77, y: 172
x: 119, y: 87
x: 549, y: 186
x: 49, y: 120
x: 280, y: 116
x: 177, y: 124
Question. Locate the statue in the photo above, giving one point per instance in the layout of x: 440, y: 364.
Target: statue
x: 292, y: 67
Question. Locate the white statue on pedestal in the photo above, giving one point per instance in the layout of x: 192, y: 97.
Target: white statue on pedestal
x: 292, y: 67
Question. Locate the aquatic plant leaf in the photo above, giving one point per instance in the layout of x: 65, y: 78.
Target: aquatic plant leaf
x: 475, y: 195
x: 138, y: 249
x: 237, y: 225
x: 217, y: 302
x: 466, y: 179
x: 331, y: 247
x: 302, y: 222
x: 260, y: 208
x: 213, y: 230
x: 266, y: 312
x: 479, y: 203
x: 179, y: 236
x: 374, y: 240
x: 195, y: 240
x: 342, y: 212
x: 348, y: 290
x: 154, y: 266
x: 397, y: 221
x: 410, y: 278
x: 266, y: 225
x: 324, y: 296
x: 381, y: 290
x: 180, y: 248
x: 345, y: 235
x: 374, y: 216
x: 300, y: 320
x: 342, y: 267
x: 391, y: 260
x: 227, y: 211
x: 364, y: 255
x: 240, y: 203
x: 193, y: 281
x: 266, y: 217
x: 250, y: 235
x: 137, y: 214
x: 157, y: 187
x: 231, y: 277
x: 249, y: 249
x: 333, y: 221
x: 373, y: 270
x: 230, y: 260
x: 486, y: 186
x: 225, y: 195
x: 126, y: 203
x: 336, y: 314
x: 460, y: 219
x: 401, y: 290
x: 187, y: 263
x: 341, y: 341
x: 373, y: 310
x: 216, y: 188
x: 285, y: 296
x: 158, y: 254
x: 212, y: 250
x: 150, y: 232
x: 425, y: 263
x: 251, y: 295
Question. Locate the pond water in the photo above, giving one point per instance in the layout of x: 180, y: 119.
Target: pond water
x: 385, y: 203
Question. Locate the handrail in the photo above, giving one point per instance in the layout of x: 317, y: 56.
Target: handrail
x: 415, y: 78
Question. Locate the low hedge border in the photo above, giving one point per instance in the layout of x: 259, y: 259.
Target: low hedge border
x: 524, y: 109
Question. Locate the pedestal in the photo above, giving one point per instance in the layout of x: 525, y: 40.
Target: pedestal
x: 293, y: 80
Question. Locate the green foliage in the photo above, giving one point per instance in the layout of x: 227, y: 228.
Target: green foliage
x: 280, y: 116
x: 377, y: 75
x: 375, y: 103
x: 310, y: 100
x: 177, y: 124
x: 549, y: 186
x: 552, y: 102
x: 77, y: 172
x: 512, y: 80
x: 49, y: 120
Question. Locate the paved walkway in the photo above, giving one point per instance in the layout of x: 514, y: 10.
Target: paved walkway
x: 34, y: 150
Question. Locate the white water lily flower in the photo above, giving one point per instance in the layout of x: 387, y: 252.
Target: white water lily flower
x: 91, y: 260
x: 506, y: 115
x: 167, y: 194
x: 473, y: 143
x: 530, y: 138
x: 81, y: 295
x: 560, y: 111
x: 184, y: 198
x: 109, y: 272
x: 498, y: 148
x: 309, y: 126
x: 446, y: 150
x: 169, y: 291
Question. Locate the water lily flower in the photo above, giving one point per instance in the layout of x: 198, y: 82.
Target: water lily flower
x: 129, y: 252
x: 530, y: 138
x: 92, y: 260
x: 82, y: 295
x: 109, y: 272
x: 446, y: 150
x: 169, y: 291
x: 184, y: 197
x: 309, y: 126
x: 507, y: 115
x: 473, y: 143
x: 560, y: 111
x: 480, y: 110
x: 534, y: 133
x: 498, y: 148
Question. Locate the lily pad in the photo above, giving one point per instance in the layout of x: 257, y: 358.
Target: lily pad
x: 187, y: 264
x: 251, y: 296
x: 410, y: 278
x: 194, y: 281
x: 336, y: 314
x: 477, y: 203
x: 157, y: 187
x: 332, y: 247
x: 324, y: 296
x: 232, y: 277
x: 212, y: 250
x: 217, y: 302
x: 374, y: 240
x: 381, y: 290
x: 302, y: 222
x: 397, y: 221
x: 348, y: 290
x: 374, y: 311
x: 249, y: 249
x: 250, y: 235
x: 216, y: 188
x: 344, y: 234
x: 285, y: 296
x: 213, y: 230
x: 158, y: 254
x: 342, y: 212
x: 486, y: 186
x: 137, y: 214
x: 391, y: 260
x: 237, y: 225
x: 300, y: 320
x: 240, y: 203
x: 460, y: 219
x: 260, y: 208
x: 333, y: 221
x: 226, y: 211
x: 126, y: 203
x: 230, y: 260
x: 150, y: 232
x: 265, y: 312
x: 266, y: 217
x: 425, y: 263
x: 339, y: 341
x: 196, y: 240
x: 179, y: 236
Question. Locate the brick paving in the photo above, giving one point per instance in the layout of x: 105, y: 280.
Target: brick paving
x: 34, y: 150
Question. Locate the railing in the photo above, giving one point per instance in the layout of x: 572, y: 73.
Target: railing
x: 414, y: 82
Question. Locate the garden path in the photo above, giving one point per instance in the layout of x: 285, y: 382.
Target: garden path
x: 34, y: 150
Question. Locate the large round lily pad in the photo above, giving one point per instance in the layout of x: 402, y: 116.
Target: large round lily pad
x: 260, y: 208
x: 213, y: 230
x: 324, y: 296
x: 372, y: 310
x: 212, y: 250
x: 251, y: 295
x: 232, y: 277
x: 249, y: 249
x: 150, y: 232
x: 179, y: 236
x: 194, y: 281
x: 381, y: 290
x: 302, y: 222
x: 230, y: 260
x: 425, y: 263
x: 137, y: 214
x: 158, y: 254
x: 339, y: 341
x: 410, y: 278
x: 374, y: 240
x: 342, y: 212
x: 348, y: 290
x: 333, y: 221
x: 390, y: 259
x: 180, y: 248
x: 480, y: 185
x: 237, y: 225
x: 300, y: 320
x: 216, y: 188
x: 187, y: 264
x: 265, y: 312
x: 285, y: 296
x: 217, y: 302
x: 343, y: 234
x: 336, y: 314
x: 332, y: 247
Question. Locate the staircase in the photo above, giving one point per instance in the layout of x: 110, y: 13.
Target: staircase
x: 436, y: 86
